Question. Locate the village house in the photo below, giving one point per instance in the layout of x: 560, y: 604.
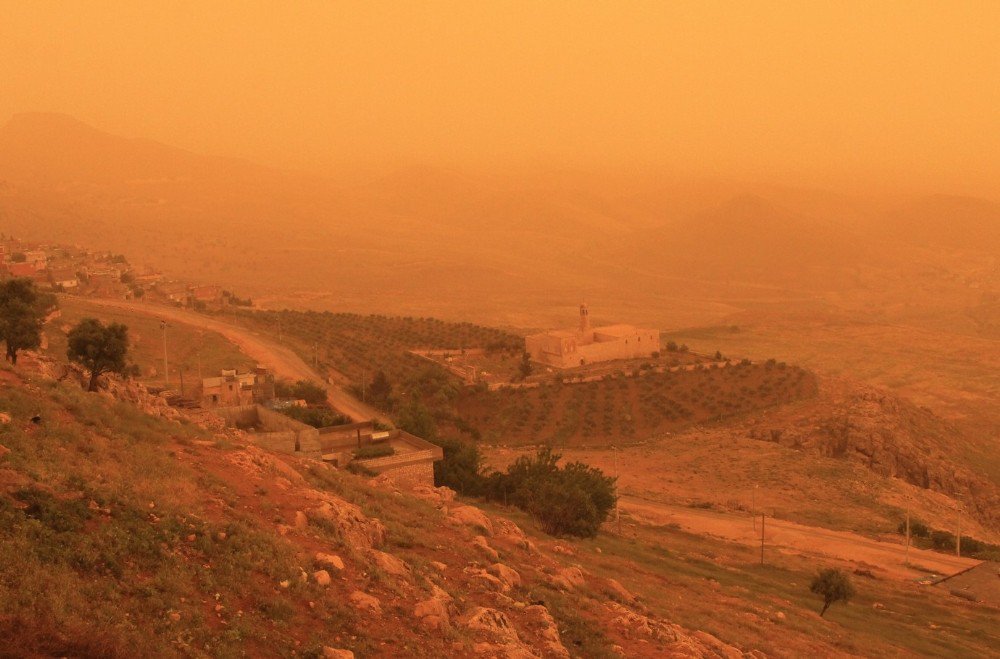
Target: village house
x: 24, y: 269
x: 64, y: 278
x: 232, y: 388
x: 204, y: 294
x: 37, y: 258
x: 586, y: 345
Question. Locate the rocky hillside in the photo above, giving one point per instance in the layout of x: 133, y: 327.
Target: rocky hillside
x: 126, y: 532
x: 890, y: 436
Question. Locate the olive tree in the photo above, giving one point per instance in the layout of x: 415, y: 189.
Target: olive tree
x: 22, y: 312
x: 98, y: 348
x: 833, y: 585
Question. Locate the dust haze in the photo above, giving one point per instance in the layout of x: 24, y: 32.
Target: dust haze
x: 795, y: 207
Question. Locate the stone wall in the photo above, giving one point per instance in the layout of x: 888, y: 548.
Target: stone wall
x: 273, y: 430
x: 411, y: 475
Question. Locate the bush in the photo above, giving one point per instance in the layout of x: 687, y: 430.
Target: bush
x: 317, y: 417
x: 573, y: 500
x: 310, y: 392
x: 373, y: 451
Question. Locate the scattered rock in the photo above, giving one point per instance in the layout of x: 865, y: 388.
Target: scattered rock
x: 432, y: 614
x: 548, y: 631
x: 356, y: 529
x: 619, y: 592
x: 301, y: 521
x: 493, y: 622
x: 4, y: 417
x: 484, y: 546
x: 564, y: 550
x: 336, y: 653
x: 439, y: 566
x: 365, y: 602
x: 506, y: 574
x: 322, y: 577
x: 568, y: 578
x: 3, y: 450
x: 329, y: 560
x: 474, y: 517
x: 389, y: 564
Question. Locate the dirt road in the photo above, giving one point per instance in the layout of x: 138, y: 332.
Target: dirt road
x: 282, y: 361
x: 783, y: 536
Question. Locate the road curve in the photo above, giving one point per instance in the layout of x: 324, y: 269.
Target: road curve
x: 798, y: 538
x: 282, y: 361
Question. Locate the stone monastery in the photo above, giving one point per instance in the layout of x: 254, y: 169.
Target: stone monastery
x: 568, y: 348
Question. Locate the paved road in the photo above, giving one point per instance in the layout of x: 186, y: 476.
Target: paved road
x: 282, y: 361
x: 798, y: 538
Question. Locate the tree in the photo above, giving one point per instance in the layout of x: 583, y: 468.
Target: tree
x: 417, y: 420
x: 18, y: 257
x: 462, y: 467
x: 22, y: 311
x: 380, y: 390
x: 834, y: 585
x: 97, y: 348
x: 524, y: 368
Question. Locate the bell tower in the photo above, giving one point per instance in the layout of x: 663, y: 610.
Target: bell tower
x: 584, y: 319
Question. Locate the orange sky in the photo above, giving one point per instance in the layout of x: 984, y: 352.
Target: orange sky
x: 840, y: 94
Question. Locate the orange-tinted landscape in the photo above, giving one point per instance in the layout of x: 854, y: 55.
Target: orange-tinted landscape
x: 439, y: 232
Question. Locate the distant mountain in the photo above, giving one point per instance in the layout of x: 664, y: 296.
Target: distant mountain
x: 54, y: 148
x: 947, y: 221
x: 749, y: 238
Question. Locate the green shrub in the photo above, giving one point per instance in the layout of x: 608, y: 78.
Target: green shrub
x: 373, y: 451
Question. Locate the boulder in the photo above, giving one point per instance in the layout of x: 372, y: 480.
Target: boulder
x: 470, y: 516
x: 3, y: 451
x: 480, y: 542
x: 331, y: 561
x: 4, y: 417
x: 322, y: 577
x: 548, y: 630
x: 336, y: 653
x: 619, y: 592
x: 301, y: 521
x: 568, y: 578
x: 357, y: 529
x: 365, y: 603
x: 492, y: 622
x: 506, y: 574
x: 389, y: 563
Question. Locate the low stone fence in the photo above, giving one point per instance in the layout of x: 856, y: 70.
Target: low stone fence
x: 273, y: 430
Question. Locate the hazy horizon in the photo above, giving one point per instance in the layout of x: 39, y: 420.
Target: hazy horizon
x: 848, y: 97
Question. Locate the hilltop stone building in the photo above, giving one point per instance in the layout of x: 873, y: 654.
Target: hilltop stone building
x: 586, y: 345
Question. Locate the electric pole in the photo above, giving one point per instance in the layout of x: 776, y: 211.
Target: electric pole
x: 166, y: 371
x: 762, y: 539
x: 618, y: 512
x: 906, y: 560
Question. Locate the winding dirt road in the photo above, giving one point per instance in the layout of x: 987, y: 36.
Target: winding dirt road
x: 784, y: 536
x: 282, y: 361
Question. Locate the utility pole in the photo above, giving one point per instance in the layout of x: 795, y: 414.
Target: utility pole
x: 958, y: 542
x: 166, y: 371
x: 618, y: 512
x: 906, y: 560
x: 762, y: 538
